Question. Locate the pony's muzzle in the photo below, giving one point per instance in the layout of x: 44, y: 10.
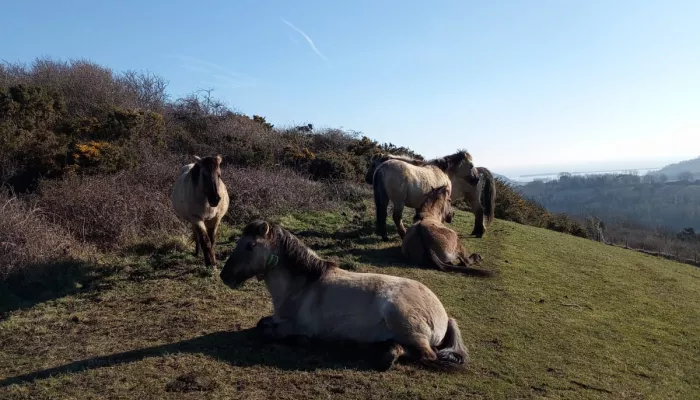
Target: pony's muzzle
x: 234, y: 283
x: 214, y: 200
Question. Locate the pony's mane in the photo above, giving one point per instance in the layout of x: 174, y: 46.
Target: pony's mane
x: 446, y: 163
x: 298, y: 258
x: 451, y: 162
x: 295, y: 255
x: 414, y: 161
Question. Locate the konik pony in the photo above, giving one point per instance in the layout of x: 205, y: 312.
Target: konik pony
x: 406, y: 182
x: 313, y: 297
x: 200, y: 198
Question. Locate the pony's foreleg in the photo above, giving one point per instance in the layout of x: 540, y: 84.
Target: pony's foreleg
x: 276, y: 329
x: 205, y: 243
x: 397, y: 215
x: 212, y: 229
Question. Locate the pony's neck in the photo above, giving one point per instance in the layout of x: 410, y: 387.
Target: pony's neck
x: 431, y: 210
x: 283, y: 285
x: 296, y: 257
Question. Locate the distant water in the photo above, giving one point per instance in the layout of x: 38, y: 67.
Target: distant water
x: 525, y: 178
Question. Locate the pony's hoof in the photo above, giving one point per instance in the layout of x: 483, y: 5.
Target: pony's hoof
x: 264, y: 322
x: 475, y: 258
x: 266, y: 327
x: 386, y: 362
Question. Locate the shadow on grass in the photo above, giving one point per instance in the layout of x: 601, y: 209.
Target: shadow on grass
x: 242, y: 348
x: 392, y: 257
x: 352, y: 231
x: 38, y: 283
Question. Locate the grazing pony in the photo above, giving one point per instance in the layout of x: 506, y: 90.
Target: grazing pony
x: 314, y: 298
x: 405, y: 182
x: 200, y: 198
x: 430, y: 242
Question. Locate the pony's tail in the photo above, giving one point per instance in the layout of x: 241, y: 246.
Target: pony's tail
x: 369, y: 176
x: 380, y: 202
x: 443, y: 266
x: 430, y: 256
x: 489, y: 192
x: 451, y: 354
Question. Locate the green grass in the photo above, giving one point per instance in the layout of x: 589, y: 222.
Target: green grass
x: 561, y: 317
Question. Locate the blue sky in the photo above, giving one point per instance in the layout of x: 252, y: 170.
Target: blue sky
x: 517, y: 83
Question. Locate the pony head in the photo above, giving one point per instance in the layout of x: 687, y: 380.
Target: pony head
x: 207, y: 170
x: 438, y: 203
x: 461, y: 165
x: 252, y: 255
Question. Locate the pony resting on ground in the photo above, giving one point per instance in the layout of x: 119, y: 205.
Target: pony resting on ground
x: 315, y: 298
x: 200, y: 198
x: 405, y: 182
x: 430, y: 242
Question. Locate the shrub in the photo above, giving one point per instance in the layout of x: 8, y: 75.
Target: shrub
x: 28, y: 239
x: 256, y: 193
x: 110, y: 210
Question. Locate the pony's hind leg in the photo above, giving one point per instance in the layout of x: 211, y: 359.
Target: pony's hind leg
x: 397, y: 215
x: 391, y: 354
x: 479, y: 227
x: 195, y: 235
x: 381, y: 202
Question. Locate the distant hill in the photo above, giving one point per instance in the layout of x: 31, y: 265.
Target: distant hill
x: 505, y: 179
x: 673, y: 170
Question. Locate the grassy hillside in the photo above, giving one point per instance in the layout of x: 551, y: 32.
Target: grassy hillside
x: 561, y: 317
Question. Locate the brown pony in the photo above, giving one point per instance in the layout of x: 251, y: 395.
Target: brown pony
x: 200, y: 198
x: 430, y: 242
x: 312, y: 297
x: 405, y: 182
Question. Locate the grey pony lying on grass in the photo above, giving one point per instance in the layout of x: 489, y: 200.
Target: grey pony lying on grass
x: 429, y: 241
x: 313, y: 297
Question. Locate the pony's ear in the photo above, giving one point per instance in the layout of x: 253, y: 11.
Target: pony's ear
x: 196, y: 158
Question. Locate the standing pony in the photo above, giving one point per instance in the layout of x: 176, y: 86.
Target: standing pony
x: 310, y: 298
x: 465, y: 184
x: 430, y: 242
x: 405, y: 182
x: 200, y: 198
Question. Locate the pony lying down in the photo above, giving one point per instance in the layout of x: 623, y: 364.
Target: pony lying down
x: 315, y: 298
x: 430, y: 242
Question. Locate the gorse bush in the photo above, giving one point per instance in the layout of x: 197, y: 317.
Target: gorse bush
x: 109, y: 210
x: 28, y: 237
